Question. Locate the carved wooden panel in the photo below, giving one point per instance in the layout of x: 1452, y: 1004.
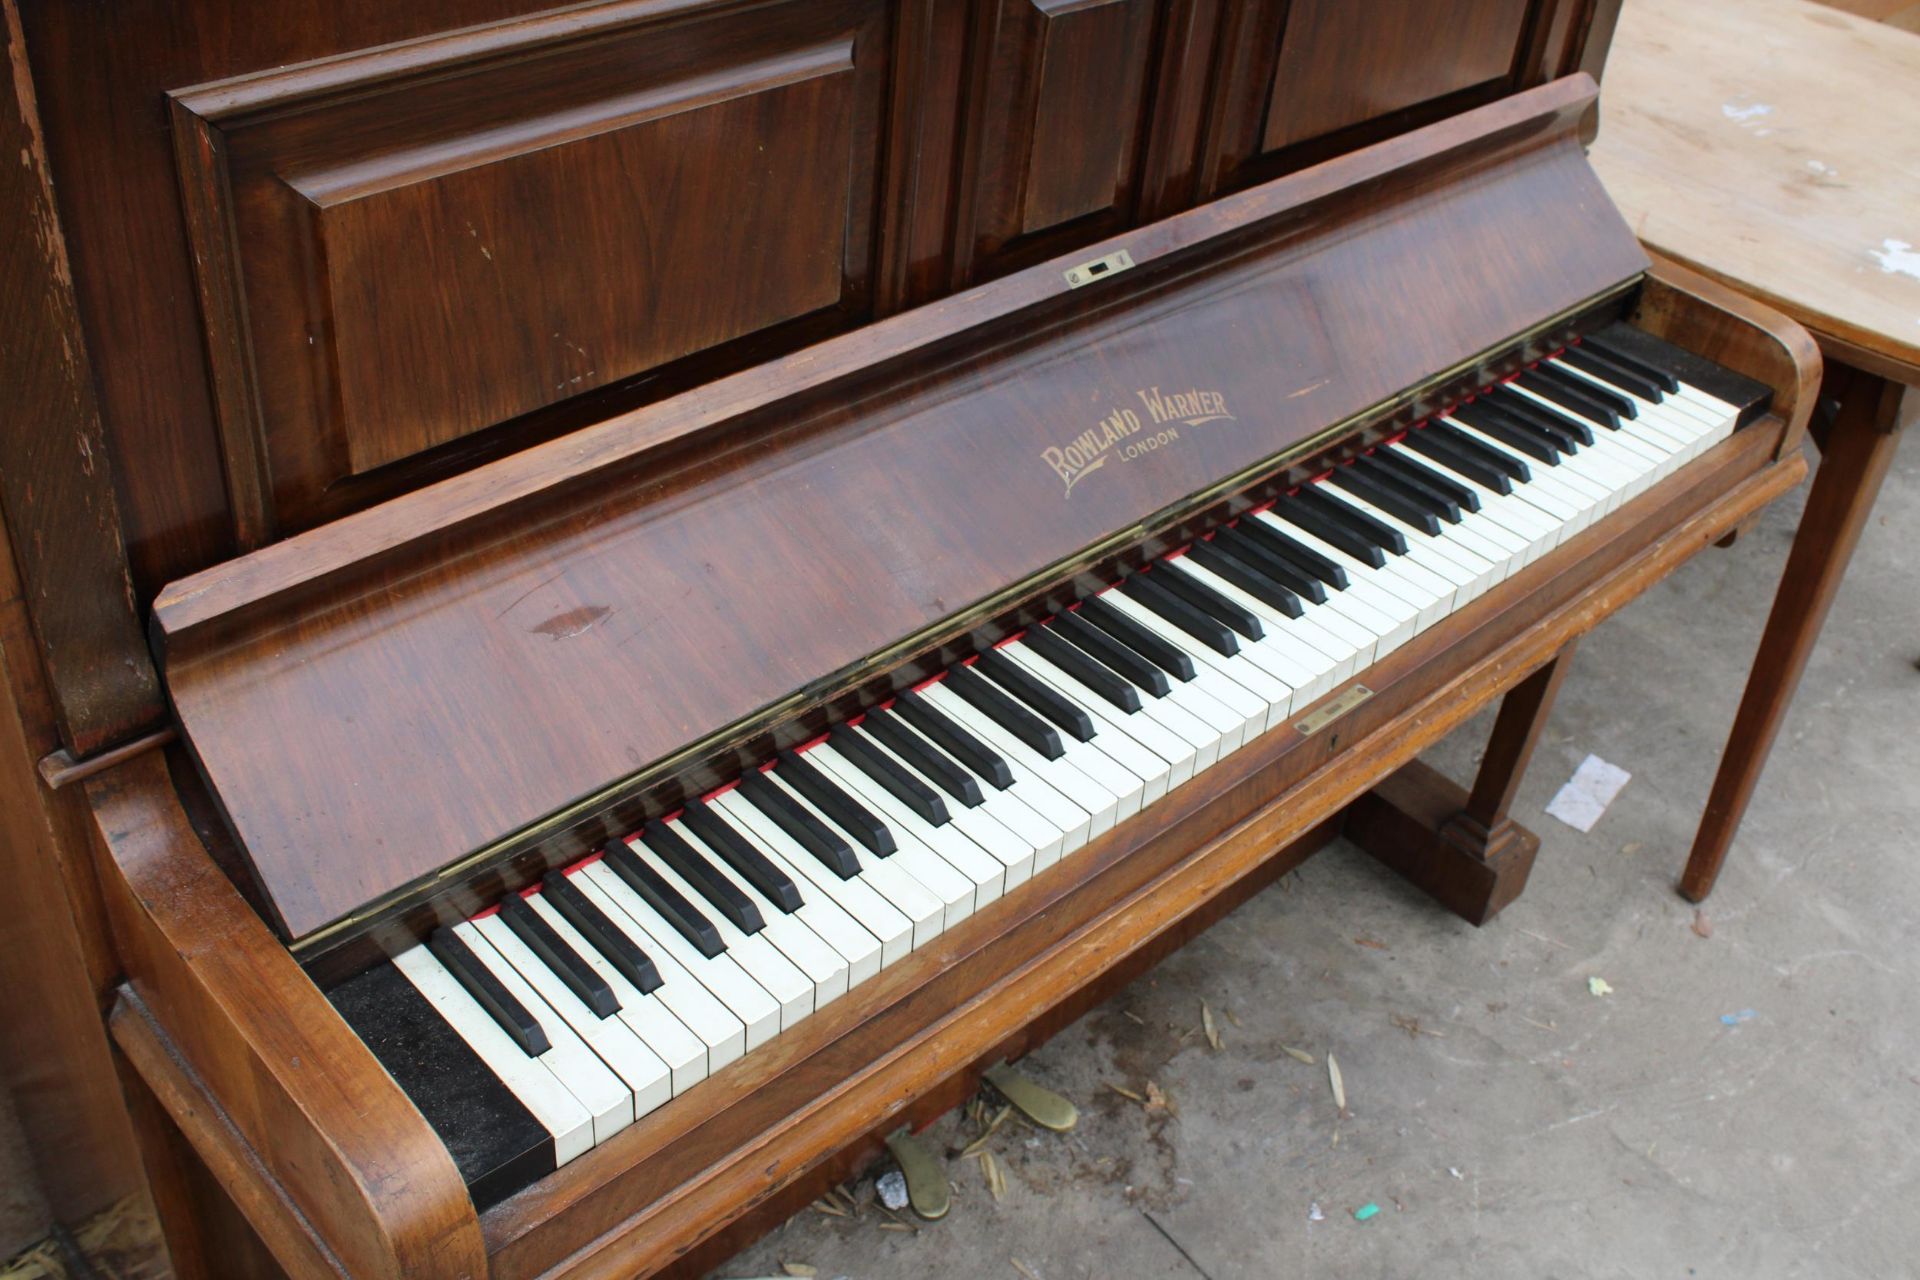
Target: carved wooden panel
x: 1303, y: 79
x: 404, y: 248
x: 1345, y: 62
x: 1062, y: 125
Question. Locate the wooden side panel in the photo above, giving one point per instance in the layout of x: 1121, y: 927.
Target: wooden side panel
x: 340, y: 1172
x: 1061, y: 126
x: 56, y: 485
x: 396, y: 255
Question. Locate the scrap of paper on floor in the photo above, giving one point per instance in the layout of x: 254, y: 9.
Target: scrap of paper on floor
x: 1587, y: 794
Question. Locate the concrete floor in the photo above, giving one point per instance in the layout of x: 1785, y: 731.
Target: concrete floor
x: 1506, y: 1121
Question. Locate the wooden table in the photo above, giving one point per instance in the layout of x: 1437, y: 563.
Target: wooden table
x: 1775, y: 146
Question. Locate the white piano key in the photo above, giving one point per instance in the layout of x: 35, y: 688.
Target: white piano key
x: 1250, y: 692
x: 758, y: 1012
x: 790, y: 934
x: 923, y: 908
x: 684, y: 1053
x: 867, y: 908
x: 758, y: 958
x: 948, y: 842
x: 1163, y: 759
x: 1052, y: 788
x: 910, y: 869
x: 573, y: 1064
x: 527, y: 1078
x: 647, y: 1079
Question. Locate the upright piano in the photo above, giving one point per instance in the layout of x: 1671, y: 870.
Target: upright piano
x: 667, y: 582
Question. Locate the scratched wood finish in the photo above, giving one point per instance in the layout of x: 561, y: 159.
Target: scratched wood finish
x: 56, y: 483
x: 918, y: 1034
x: 611, y: 616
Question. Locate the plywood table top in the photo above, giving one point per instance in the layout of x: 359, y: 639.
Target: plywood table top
x: 1775, y: 146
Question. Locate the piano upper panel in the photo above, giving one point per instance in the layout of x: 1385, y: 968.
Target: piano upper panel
x: 405, y: 247
x: 290, y: 317
x: 377, y: 699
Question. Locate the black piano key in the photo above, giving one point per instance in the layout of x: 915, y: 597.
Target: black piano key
x: 1748, y: 397
x: 1242, y: 620
x: 832, y: 799
x: 1388, y: 499
x: 1047, y: 703
x: 1446, y: 452
x: 771, y: 882
x: 1511, y: 465
x: 1328, y: 530
x: 1598, y: 367
x: 1488, y: 422
x: 1598, y: 344
x: 591, y: 923
x: 1130, y: 666
x: 1411, y: 470
x: 1170, y: 658
x: 1588, y: 402
x: 496, y: 1143
x: 1288, y: 550
x: 813, y: 835
x: 1218, y: 562
x: 924, y: 758
x: 665, y: 899
x: 996, y: 706
x: 1217, y: 636
x: 1411, y: 485
x: 886, y: 771
x: 722, y: 894
x: 954, y: 738
x: 1075, y: 661
x: 1622, y: 406
x: 1567, y: 434
x: 572, y: 969
x: 1254, y: 553
x: 1384, y: 536
x: 452, y: 951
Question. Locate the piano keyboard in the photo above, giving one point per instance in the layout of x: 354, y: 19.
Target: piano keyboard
x: 536, y: 1030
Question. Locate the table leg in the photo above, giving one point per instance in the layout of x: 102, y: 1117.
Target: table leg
x: 1855, y: 454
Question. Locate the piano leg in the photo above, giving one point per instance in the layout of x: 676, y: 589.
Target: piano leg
x: 1856, y: 450
x: 1461, y: 846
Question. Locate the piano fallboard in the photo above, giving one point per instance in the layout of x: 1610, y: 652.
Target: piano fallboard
x: 513, y: 648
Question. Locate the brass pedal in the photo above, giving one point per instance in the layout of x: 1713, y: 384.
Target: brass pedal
x: 1041, y: 1105
x: 928, y: 1192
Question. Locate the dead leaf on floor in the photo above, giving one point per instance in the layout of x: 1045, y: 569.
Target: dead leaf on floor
x: 1213, y: 1031
x: 996, y: 1179
x: 1632, y: 847
x: 1339, y: 1085
x: 1128, y: 1094
x: 1230, y: 1017
x: 1025, y: 1270
x: 901, y: 1227
x: 1413, y: 1028
x: 799, y: 1269
x: 1702, y: 926
x: 1298, y: 1055
x: 993, y: 1126
x: 832, y: 1210
x: 1136, y: 1017
x: 1157, y: 1100
x: 1598, y: 986
x: 1375, y: 943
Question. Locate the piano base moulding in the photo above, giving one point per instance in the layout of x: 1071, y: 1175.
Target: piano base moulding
x: 338, y: 1173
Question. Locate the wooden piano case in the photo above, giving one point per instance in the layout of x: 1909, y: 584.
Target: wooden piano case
x: 1287, y: 300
